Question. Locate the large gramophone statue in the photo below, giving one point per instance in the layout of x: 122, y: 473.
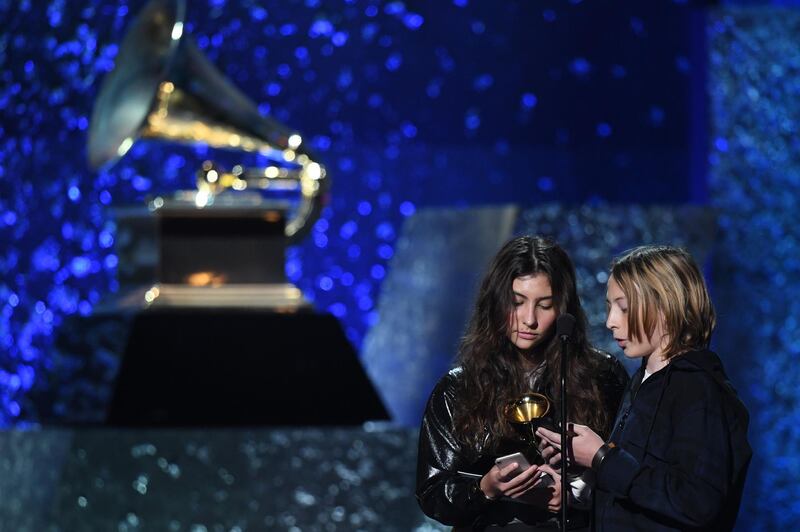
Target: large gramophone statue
x: 222, y: 243
x: 208, y: 331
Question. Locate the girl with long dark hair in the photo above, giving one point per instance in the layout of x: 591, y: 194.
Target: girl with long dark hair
x: 510, y: 349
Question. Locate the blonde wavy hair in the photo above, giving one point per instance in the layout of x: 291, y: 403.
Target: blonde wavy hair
x: 664, y: 282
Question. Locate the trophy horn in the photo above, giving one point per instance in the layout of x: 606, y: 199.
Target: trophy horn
x: 526, y: 414
x: 164, y: 88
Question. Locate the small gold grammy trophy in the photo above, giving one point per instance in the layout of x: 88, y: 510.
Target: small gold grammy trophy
x: 526, y: 414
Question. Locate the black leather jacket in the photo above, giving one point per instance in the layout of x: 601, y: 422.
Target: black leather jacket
x: 455, y: 499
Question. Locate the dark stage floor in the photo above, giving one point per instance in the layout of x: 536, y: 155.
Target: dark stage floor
x: 197, y: 480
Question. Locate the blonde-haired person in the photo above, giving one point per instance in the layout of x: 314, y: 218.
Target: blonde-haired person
x: 678, y: 453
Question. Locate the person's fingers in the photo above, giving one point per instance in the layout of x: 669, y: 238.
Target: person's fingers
x: 554, y: 505
x: 518, y: 492
x: 577, y: 429
x: 522, y: 488
x: 508, y: 471
x: 541, y: 478
x: 533, y: 482
x: 521, y: 483
x: 543, y: 445
x: 553, y: 438
x: 555, y: 459
x: 574, y: 430
x: 548, y: 451
x: 550, y: 471
x: 521, y: 478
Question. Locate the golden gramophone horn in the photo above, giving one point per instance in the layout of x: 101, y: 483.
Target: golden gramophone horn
x: 162, y: 87
x: 526, y: 413
x: 528, y: 408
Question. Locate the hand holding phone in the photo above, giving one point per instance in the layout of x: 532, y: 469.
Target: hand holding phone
x: 517, y: 458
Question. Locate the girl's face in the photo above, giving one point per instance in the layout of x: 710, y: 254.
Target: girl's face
x: 533, y: 315
x: 617, y: 323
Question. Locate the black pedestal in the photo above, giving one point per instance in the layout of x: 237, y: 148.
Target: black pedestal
x: 210, y: 367
x: 240, y: 367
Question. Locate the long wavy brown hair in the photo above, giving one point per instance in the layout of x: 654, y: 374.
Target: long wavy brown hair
x: 493, y: 371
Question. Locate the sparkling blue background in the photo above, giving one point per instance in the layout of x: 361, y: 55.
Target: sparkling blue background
x: 415, y: 104
x: 754, y: 73
x: 408, y: 104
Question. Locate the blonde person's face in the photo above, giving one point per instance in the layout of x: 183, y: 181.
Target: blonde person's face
x: 617, y: 323
x: 533, y: 314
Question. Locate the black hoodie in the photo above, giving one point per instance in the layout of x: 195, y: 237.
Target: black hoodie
x: 682, y: 452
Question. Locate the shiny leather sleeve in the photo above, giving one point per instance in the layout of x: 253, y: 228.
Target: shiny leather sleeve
x: 442, y: 493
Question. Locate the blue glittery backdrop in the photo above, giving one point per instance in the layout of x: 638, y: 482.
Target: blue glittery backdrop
x: 408, y: 103
x: 414, y: 104
x: 755, y: 185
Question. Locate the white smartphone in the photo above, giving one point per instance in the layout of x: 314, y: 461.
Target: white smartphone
x: 518, y: 458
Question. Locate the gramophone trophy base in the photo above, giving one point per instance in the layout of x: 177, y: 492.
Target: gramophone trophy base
x: 276, y: 297
x: 228, y: 253
x: 236, y: 241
